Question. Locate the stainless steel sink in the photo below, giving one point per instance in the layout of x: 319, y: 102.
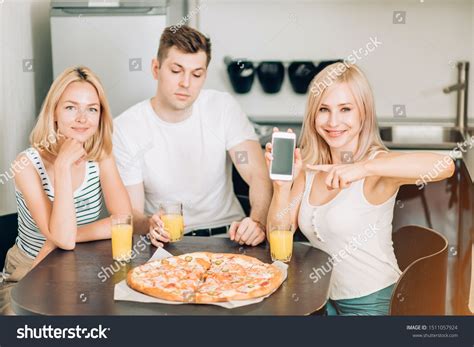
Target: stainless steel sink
x: 421, y: 136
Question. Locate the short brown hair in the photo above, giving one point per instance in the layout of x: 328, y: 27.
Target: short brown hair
x: 184, y: 38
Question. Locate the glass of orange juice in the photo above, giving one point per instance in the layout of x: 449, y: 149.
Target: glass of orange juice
x: 171, y: 213
x: 122, y: 231
x: 281, y: 242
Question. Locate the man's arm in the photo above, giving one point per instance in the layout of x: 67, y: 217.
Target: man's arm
x: 143, y: 224
x: 249, y: 161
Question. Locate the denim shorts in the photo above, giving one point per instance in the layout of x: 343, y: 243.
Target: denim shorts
x: 375, y: 304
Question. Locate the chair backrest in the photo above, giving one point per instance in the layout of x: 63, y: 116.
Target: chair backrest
x: 8, y: 234
x: 422, y: 255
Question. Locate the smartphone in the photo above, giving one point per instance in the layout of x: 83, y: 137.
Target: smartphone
x: 283, y: 149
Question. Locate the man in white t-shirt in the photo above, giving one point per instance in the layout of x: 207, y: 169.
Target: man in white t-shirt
x: 180, y: 145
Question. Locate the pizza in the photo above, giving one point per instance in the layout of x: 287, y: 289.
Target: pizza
x: 204, y: 277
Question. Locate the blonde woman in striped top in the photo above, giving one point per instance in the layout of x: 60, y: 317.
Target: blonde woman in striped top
x: 68, y: 172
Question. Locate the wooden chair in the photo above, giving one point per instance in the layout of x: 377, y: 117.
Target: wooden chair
x: 422, y: 255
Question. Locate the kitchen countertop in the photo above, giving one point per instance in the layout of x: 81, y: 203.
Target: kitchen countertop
x: 298, y: 119
x: 467, y: 155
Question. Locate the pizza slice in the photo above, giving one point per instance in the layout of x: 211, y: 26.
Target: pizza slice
x: 237, y: 277
x: 174, y: 278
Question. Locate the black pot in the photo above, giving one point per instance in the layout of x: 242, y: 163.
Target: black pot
x: 271, y: 75
x: 325, y: 63
x: 301, y: 74
x: 241, y: 74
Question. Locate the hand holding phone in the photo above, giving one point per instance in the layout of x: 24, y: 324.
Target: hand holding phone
x: 282, y: 156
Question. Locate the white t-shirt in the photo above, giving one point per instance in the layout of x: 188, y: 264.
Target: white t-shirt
x: 186, y: 161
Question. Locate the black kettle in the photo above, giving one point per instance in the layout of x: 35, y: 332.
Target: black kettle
x: 241, y: 74
x: 271, y: 75
x: 301, y: 74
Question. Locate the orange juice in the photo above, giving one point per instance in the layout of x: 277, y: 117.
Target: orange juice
x: 174, y: 224
x: 281, y: 245
x: 122, y: 242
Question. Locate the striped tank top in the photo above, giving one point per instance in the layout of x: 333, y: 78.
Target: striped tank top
x: 87, y: 200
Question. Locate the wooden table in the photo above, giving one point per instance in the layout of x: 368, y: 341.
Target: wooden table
x: 74, y: 282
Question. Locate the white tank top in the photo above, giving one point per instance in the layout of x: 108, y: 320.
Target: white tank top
x: 358, y: 236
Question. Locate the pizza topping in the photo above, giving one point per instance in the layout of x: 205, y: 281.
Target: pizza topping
x: 244, y: 289
x: 188, y: 258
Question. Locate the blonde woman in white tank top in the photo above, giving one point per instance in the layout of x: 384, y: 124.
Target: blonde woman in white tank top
x: 344, y: 191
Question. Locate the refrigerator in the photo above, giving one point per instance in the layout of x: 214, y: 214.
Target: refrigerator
x: 116, y: 39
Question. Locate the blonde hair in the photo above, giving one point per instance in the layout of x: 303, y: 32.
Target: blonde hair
x: 45, y: 136
x: 314, y: 149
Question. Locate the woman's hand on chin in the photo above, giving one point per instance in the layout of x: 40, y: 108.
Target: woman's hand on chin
x: 71, y: 152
